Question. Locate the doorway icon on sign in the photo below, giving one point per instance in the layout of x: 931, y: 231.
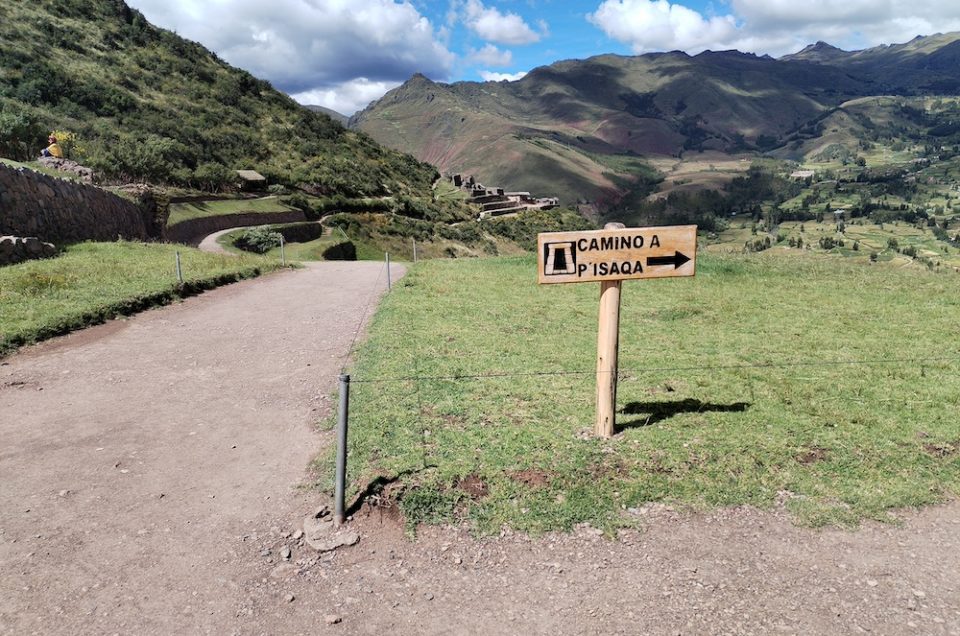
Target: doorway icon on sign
x: 559, y: 258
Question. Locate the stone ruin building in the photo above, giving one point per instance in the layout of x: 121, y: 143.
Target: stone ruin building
x: 497, y: 202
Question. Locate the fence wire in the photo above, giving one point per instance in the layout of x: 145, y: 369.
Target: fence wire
x: 624, y: 372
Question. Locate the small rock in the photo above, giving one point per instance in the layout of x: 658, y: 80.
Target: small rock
x: 298, y: 535
x: 919, y: 594
x: 283, y: 571
x: 333, y: 541
x: 64, y: 493
x: 331, y: 619
x: 428, y: 596
x: 872, y: 582
x: 315, y: 528
x: 289, y: 598
x: 458, y: 560
x: 285, y: 553
x: 265, y: 552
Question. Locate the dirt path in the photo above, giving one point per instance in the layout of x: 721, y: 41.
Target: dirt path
x: 136, y: 453
x: 209, y: 244
x: 149, y: 476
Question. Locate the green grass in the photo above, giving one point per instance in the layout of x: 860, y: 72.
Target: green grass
x: 200, y: 209
x: 446, y: 191
x: 91, y: 282
x: 737, y: 389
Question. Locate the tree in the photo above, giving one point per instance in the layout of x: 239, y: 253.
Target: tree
x: 19, y: 133
x: 212, y: 176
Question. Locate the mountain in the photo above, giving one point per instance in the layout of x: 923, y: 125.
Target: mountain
x: 140, y: 103
x: 924, y: 65
x: 577, y: 128
x: 820, y: 52
x: 329, y: 112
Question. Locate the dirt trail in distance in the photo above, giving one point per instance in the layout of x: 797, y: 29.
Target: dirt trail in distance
x: 150, y: 480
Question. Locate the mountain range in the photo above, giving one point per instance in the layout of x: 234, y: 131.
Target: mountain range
x: 578, y: 128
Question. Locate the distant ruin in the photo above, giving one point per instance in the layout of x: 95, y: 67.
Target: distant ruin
x: 496, y: 202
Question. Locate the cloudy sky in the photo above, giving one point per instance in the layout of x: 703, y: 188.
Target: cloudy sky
x: 344, y: 53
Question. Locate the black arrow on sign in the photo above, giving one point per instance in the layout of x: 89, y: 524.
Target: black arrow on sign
x: 676, y: 260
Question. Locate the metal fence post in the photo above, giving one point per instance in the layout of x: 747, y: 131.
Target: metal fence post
x: 389, y: 283
x: 179, y: 269
x: 283, y: 258
x: 341, y: 477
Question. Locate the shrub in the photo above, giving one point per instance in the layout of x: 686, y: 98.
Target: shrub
x: 71, y: 145
x: 259, y: 239
x: 212, y: 176
x: 21, y: 134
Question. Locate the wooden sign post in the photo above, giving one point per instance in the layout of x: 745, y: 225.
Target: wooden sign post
x: 609, y: 256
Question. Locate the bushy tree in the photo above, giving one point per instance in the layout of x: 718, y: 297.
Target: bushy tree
x: 21, y: 134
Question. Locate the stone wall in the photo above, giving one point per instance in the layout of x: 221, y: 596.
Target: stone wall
x: 192, y: 231
x: 58, y: 211
x: 14, y: 249
x: 300, y: 232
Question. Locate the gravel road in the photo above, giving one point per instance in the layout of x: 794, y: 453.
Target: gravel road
x: 151, y: 475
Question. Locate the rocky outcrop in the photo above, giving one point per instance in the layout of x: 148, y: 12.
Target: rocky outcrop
x: 68, y: 166
x: 35, y: 204
x: 15, y: 249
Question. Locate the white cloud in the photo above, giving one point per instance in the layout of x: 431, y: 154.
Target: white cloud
x: 772, y: 26
x: 489, y: 76
x: 657, y: 25
x: 791, y: 13
x: 311, y: 45
x: 348, y: 97
x: 490, y: 55
x: 501, y: 28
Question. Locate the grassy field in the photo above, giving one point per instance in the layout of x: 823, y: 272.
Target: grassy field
x: 200, y: 209
x: 91, y: 282
x: 861, y: 238
x: 797, y: 377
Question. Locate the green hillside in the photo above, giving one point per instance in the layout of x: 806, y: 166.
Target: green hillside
x: 146, y: 104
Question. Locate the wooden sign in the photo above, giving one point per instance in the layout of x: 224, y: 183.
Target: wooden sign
x: 616, y: 254
x: 609, y: 256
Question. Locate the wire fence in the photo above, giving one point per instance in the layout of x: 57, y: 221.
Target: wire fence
x: 440, y: 411
x: 625, y: 372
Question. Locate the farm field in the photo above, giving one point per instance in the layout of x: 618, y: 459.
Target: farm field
x: 820, y: 381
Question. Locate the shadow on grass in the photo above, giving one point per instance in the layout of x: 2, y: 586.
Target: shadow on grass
x: 380, y: 484
x: 659, y: 411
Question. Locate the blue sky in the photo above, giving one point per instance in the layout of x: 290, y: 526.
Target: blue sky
x: 344, y: 53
